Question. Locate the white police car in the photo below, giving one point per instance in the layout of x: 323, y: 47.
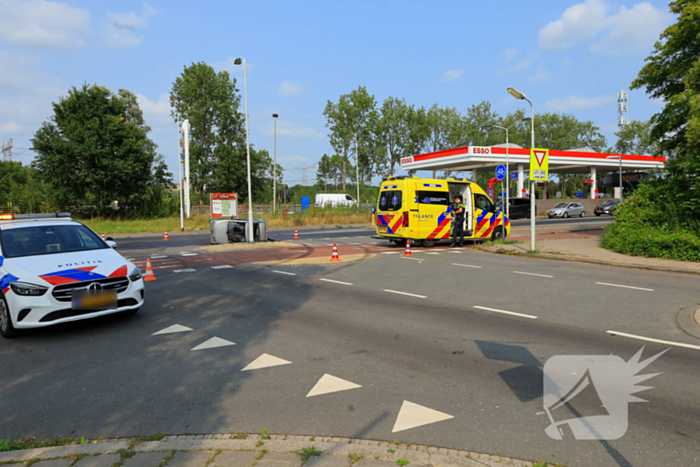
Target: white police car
x: 54, y: 270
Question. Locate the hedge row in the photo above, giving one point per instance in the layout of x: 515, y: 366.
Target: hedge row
x: 653, y: 242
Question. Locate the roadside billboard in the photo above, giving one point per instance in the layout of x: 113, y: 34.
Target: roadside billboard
x: 223, y: 205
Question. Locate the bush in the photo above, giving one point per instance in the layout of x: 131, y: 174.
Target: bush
x: 653, y: 223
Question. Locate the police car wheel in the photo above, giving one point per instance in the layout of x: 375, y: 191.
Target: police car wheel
x: 429, y: 243
x: 7, y: 330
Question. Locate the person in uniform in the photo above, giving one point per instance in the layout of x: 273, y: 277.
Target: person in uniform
x: 458, y: 211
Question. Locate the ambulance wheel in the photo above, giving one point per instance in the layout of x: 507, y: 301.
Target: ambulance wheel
x: 400, y: 242
x: 497, y: 235
x: 429, y: 243
x: 7, y: 330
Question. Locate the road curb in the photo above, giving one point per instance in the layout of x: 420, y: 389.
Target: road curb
x: 176, y: 233
x: 417, y: 455
x: 583, y: 260
x: 688, y: 320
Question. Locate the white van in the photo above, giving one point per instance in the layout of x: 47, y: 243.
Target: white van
x: 324, y: 200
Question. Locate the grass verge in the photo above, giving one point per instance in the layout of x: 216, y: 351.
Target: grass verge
x: 31, y: 443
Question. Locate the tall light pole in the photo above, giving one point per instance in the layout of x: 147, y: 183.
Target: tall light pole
x: 620, y: 159
x: 519, y: 95
x: 357, y: 171
x: 182, y: 183
x: 507, y: 163
x: 274, y: 170
x: 251, y: 230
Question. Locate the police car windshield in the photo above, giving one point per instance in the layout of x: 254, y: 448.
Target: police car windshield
x: 48, y: 239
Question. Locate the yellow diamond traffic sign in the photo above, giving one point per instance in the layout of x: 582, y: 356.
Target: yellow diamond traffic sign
x: 539, y: 164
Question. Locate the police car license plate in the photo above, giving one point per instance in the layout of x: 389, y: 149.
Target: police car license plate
x: 104, y: 300
x: 382, y: 229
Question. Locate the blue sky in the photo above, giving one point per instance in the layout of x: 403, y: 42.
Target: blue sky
x: 567, y: 56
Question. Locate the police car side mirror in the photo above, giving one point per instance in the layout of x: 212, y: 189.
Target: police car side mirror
x: 110, y: 242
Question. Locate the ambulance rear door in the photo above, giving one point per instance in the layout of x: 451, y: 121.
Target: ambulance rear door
x: 465, y: 191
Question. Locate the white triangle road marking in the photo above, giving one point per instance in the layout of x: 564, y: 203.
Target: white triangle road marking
x: 213, y: 343
x: 329, y: 383
x: 172, y: 329
x: 265, y: 361
x: 413, y: 415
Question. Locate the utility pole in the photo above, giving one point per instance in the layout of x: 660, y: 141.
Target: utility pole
x: 7, y: 151
x: 274, y: 170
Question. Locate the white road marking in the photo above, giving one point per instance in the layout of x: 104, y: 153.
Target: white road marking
x: 189, y: 254
x: 183, y: 270
x: 624, y: 286
x: 213, y: 343
x: 414, y: 259
x: 159, y: 256
x: 467, y: 266
x: 430, y: 253
x: 532, y: 274
x: 413, y: 415
x: 455, y: 252
x: 222, y: 266
x: 183, y: 252
x: 172, y: 329
x: 132, y: 259
x: 405, y: 293
x: 354, y: 244
x: 649, y: 339
x: 522, y: 315
x: 205, y: 259
x: 265, y: 361
x: 328, y: 384
x: 335, y: 282
x: 283, y: 272
x: 390, y: 252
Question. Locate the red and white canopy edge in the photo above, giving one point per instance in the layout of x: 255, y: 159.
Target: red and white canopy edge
x: 576, y: 161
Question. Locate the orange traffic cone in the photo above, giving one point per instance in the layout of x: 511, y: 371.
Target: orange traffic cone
x: 103, y: 236
x: 149, y: 272
x: 166, y: 236
x: 334, y: 256
x: 408, y: 248
x: 296, y: 233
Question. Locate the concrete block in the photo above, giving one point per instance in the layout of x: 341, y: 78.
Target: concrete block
x: 105, y: 460
x: 374, y: 463
x: 328, y: 460
x: 146, y: 459
x: 279, y: 459
x: 55, y: 463
x: 190, y: 459
x: 235, y: 459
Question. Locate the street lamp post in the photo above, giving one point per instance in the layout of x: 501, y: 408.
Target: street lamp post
x: 274, y: 170
x: 519, y: 95
x: 507, y: 164
x: 251, y: 230
x: 620, y: 159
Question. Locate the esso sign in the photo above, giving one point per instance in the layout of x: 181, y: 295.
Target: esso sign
x: 407, y: 160
x: 481, y: 150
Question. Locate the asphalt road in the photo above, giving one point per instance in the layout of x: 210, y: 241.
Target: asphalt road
x: 443, y: 347
x: 203, y: 239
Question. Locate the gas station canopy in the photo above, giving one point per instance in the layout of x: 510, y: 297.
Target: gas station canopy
x: 576, y: 161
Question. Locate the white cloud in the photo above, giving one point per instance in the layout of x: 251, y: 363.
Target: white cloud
x: 18, y: 70
x: 633, y: 30
x: 541, y: 75
x: 573, y: 103
x: 292, y: 130
x: 120, y: 29
x: 565, y: 63
x: 451, y: 75
x: 289, y: 89
x: 10, y: 128
x: 41, y: 24
x: 156, y: 113
x: 629, y: 30
x: 509, y: 54
x: 522, y: 65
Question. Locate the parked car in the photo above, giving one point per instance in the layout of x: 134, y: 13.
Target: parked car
x: 324, y: 200
x: 567, y: 210
x: 607, y: 207
x: 519, y: 208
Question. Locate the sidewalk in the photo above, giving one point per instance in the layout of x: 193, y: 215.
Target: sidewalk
x: 584, y: 246
x: 243, y: 450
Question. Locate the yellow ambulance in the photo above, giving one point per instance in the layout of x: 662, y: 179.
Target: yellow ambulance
x: 418, y: 209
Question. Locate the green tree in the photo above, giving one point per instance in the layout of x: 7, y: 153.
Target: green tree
x: 635, y: 138
x: 90, y: 152
x: 324, y: 171
x: 347, y: 119
x: 672, y: 74
x: 210, y: 102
